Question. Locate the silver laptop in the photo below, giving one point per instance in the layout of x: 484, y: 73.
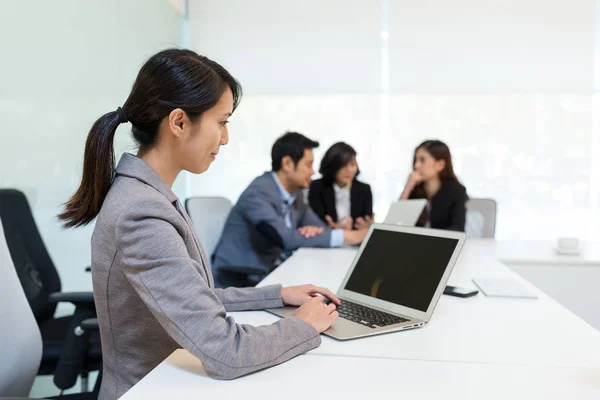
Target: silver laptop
x: 405, y: 212
x: 394, y: 282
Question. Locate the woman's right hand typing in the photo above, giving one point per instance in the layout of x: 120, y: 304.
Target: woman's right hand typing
x: 317, y: 313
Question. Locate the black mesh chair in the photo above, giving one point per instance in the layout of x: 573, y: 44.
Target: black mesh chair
x: 85, y: 332
x: 64, y: 355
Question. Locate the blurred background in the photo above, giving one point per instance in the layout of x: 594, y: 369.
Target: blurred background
x: 510, y: 86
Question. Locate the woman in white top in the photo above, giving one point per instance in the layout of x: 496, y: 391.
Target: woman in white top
x: 338, y: 198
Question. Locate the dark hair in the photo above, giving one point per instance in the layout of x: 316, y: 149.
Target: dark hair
x: 439, y: 151
x: 290, y: 144
x: 170, y: 79
x: 336, y: 157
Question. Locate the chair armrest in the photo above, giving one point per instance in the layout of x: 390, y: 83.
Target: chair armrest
x: 72, y: 297
x: 243, y: 270
x: 75, y: 347
x: 90, y: 324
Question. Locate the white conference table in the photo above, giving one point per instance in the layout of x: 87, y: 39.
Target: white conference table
x: 181, y: 376
x: 478, y: 329
x: 478, y: 347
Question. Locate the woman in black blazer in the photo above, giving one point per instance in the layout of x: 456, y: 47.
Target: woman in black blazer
x: 433, y: 178
x: 339, y: 198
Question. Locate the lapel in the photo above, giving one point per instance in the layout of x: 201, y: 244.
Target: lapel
x: 294, y: 208
x: 274, y: 192
x: 355, y: 202
x: 136, y: 168
x: 203, y: 257
x: 329, y: 201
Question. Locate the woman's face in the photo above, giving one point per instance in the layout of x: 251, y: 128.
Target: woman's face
x: 347, y: 173
x: 209, y: 133
x: 427, y: 166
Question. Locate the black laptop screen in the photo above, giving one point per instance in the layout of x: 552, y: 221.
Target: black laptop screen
x: 401, y: 268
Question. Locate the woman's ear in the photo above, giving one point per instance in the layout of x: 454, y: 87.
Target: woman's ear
x: 440, y: 165
x: 177, y: 122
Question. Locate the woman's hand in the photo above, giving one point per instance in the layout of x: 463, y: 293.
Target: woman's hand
x: 363, y: 223
x: 298, y: 295
x: 345, y: 223
x: 316, y: 313
x: 414, y: 179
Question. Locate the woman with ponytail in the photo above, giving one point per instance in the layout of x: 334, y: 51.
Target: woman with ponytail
x: 153, y: 287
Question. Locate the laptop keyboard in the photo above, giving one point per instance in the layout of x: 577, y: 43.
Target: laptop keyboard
x: 367, y: 316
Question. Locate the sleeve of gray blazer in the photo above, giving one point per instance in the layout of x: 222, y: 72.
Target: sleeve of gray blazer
x: 310, y: 218
x: 258, y: 209
x: 242, y: 299
x: 156, y: 263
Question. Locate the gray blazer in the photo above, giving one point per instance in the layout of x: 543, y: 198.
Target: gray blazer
x: 154, y: 292
x: 255, y: 233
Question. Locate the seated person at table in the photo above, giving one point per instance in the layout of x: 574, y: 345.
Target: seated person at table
x: 271, y: 218
x: 338, y: 198
x: 153, y: 289
x: 433, y: 178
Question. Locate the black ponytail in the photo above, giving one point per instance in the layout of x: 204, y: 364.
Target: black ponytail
x: 171, y: 79
x: 98, y: 173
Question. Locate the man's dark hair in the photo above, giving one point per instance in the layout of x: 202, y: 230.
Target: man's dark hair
x: 290, y: 144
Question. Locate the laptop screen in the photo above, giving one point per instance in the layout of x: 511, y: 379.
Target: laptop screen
x: 401, y: 268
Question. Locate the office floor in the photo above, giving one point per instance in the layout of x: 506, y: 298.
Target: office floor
x: 44, y: 387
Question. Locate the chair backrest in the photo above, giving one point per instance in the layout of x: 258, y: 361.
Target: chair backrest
x: 208, y: 215
x: 481, y: 218
x: 20, y: 339
x: 35, y: 269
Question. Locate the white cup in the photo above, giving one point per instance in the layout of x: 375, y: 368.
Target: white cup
x: 567, y: 243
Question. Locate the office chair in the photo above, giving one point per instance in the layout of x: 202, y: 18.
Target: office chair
x: 62, y: 350
x: 208, y: 214
x: 481, y: 218
x: 21, y: 350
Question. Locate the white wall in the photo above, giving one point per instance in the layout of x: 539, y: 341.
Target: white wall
x: 491, y: 46
x: 508, y: 85
x: 64, y: 64
x: 291, y: 47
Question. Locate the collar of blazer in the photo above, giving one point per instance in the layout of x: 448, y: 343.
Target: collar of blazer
x: 136, y: 168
